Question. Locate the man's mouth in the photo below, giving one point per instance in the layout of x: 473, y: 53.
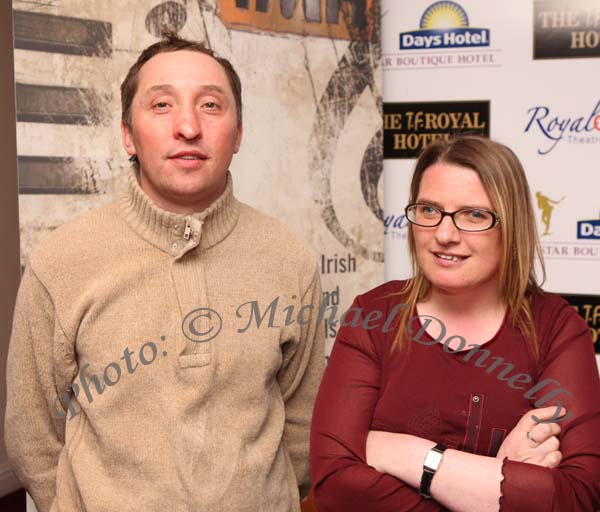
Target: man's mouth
x: 189, y: 155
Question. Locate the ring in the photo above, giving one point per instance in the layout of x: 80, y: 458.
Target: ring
x: 531, y: 438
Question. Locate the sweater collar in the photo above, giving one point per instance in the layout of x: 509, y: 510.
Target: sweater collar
x: 178, y: 233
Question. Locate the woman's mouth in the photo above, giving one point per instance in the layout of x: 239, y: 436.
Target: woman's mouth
x: 451, y: 258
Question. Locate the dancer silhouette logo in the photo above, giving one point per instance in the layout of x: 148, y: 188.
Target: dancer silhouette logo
x: 546, y: 206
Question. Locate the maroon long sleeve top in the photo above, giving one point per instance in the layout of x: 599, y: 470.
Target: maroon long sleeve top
x: 466, y: 402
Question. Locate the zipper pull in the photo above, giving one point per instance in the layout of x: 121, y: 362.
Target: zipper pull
x: 188, y: 231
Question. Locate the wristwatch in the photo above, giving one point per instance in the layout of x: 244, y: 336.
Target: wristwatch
x: 430, y: 466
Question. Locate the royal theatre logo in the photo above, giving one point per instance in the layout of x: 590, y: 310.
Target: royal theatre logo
x: 444, y: 39
x: 554, y: 126
x: 395, y: 225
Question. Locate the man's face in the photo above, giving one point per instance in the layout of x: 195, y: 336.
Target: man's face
x: 184, y: 130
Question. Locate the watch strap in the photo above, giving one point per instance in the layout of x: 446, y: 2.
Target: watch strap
x: 429, y: 472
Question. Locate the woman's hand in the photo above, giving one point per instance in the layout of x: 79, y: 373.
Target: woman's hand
x: 540, y: 446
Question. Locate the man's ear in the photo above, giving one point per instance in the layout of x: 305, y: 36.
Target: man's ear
x: 127, y: 139
x: 238, y: 138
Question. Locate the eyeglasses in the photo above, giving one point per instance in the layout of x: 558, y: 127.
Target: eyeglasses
x: 469, y: 219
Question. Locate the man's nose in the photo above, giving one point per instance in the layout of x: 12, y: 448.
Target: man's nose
x: 447, y: 232
x: 187, y: 124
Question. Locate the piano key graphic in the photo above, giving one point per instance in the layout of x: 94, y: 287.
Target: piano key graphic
x: 55, y: 105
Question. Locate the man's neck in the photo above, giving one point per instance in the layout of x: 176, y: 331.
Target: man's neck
x: 180, y: 204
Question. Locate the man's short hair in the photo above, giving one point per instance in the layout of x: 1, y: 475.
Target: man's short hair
x: 171, y: 42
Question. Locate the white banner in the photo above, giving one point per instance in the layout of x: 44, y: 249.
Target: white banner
x: 535, y: 64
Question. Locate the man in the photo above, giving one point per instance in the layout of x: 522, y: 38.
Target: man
x: 154, y: 363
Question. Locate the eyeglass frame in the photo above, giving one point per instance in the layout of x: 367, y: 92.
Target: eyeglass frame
x: 451, y: 215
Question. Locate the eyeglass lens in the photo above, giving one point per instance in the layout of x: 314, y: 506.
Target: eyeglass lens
x: 470, y: 219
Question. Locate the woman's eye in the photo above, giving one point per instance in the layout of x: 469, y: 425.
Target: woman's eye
x: 477, y: 215
x: 161, y: 104
x: 211, y: 105
x: 428, y: 210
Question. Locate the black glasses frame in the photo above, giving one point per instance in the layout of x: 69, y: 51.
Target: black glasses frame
x: 451, y: 215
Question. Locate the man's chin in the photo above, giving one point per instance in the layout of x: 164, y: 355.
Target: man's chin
x: 196, y: 195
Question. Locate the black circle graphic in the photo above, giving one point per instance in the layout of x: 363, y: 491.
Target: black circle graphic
x: 167, y: 16
x: 355, y: 72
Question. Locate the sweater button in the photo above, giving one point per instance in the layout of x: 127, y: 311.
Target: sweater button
x: 476, y: 398
x: 174, y: 245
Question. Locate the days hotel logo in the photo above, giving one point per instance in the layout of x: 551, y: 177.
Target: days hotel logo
x: 588, y: 229
x: 444, y: 25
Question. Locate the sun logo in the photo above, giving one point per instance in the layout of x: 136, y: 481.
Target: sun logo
x: 444, y: 15
x: 444, y: 25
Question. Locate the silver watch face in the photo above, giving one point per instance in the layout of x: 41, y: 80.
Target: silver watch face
x: 432, y: 460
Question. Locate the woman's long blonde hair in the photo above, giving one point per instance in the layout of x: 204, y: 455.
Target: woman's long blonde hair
x: 504, y: 181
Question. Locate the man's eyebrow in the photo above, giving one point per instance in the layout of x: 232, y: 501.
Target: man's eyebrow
x: 213, y: 88
x: 159, y: 88
x: 168, y: 88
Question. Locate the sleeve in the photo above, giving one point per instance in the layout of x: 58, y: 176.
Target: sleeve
x: 35, y: 419
x: 299, y: 378
x: 342, y: 418
x: 571, y: 373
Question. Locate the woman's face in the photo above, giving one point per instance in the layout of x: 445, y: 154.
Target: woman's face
x: 475, y: 256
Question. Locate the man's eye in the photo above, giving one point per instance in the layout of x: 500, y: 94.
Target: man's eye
x: 211, y: 105
x: 161, y: 104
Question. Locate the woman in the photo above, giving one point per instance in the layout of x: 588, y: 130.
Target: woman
x: 457, y: 406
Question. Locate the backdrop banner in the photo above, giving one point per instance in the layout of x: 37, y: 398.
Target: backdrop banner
x: 311, y: 153
x: 522, y: 73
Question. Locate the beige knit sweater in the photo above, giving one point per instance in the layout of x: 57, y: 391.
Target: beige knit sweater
x: 157, y: 419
